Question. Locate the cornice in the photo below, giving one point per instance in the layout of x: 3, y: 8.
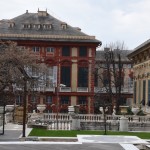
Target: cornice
x: 47, y: 36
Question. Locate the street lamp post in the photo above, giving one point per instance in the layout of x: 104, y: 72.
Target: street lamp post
x: 24, y: 108
x: 57, y: 105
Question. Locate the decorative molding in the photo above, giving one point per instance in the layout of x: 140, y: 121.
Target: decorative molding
x: 47, y: 36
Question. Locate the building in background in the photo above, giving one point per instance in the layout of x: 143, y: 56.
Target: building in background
x: 68, y: 53
x: 141, y: 67
x: 127, y: 76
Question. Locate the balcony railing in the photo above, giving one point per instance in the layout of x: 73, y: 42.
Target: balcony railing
x: 50, y: 89
x: 65, y: 89
x: 82, y: 89
x: 104, y: 90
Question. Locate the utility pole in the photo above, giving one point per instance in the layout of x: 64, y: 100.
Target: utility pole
x: 24, y: 108
x: 57, y: 105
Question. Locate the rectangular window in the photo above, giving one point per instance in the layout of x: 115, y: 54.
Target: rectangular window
x: 82, y: 100
x: 50, y: 49
x: 105, y: 78
x: 33, y: 99
x: 19, y: 100
x: 49, y: 72
x: 66, y: 75
x: 96, y: 77
x: 140, y: 89
x: 83, y: 77
x: 116, y: 66
x: 83, y: 51
x: 130, y: 82
x: 129, y: 66
x: 148, y: 93
x: 49, y: 78
x: 49, y: 99
x: 36, y: 49
x: 64, y: 100
x: 134, y: 92
x: 65, y: 51
x: 124, y: 65
x: 35, y: 72
x: 144, y: 89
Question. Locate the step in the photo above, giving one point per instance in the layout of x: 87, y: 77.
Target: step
x: 129, y: 147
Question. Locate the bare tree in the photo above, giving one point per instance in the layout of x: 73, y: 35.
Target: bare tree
x: 16, y: 66
x: 109, y: 71
x: 102, y: 101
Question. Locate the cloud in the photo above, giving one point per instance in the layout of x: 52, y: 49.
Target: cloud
x: 108, y: 20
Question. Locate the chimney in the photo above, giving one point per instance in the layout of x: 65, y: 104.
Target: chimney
x: 42, y: 13
x: 26, y: 11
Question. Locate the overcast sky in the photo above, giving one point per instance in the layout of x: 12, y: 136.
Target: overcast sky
x: 108, y: 20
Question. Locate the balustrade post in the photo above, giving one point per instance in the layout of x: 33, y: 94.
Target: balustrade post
x: 74, y: 117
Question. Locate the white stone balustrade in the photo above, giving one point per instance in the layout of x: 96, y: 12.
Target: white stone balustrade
x: 94, y: 117
x: 53, y: 116
x: 65, y: 121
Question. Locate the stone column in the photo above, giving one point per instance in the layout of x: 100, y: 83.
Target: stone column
x: 123, y: 124
x: 75, y: 125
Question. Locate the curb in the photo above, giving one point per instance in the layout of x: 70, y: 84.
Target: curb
x: 50, y: 139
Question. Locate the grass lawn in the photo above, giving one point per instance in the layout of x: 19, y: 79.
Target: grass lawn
x: 73, y: 133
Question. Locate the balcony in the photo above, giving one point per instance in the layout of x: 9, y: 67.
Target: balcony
x: 49, y: 89
x: 123, y: 90
x: 65, y: 89
x: 127, y: 90
x: 82, y: 89
x: 99, y: 90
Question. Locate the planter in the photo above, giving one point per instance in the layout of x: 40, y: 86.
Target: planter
x: 9, y: 108
x: 41, y: 107
x: 135, y: 110
x: 123, y: 109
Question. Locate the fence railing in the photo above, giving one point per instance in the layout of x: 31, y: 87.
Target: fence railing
x: 54, y: 121
x: 55, y: 116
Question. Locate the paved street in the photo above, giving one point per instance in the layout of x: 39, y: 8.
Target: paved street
x: 62, y: 147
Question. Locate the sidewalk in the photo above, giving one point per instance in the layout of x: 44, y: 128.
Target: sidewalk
x: 12, y: 132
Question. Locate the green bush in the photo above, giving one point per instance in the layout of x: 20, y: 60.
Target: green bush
x: 141, y: 113
x: 129, y: 111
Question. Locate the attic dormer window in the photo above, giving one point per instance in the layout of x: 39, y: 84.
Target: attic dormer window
x: 12, y: 24
x: 36, y: 26
x: 47, y: 26
x: 26, y: 26
x: 39, y: 26
x: 64, y: 26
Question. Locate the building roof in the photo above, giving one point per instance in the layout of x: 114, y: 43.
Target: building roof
x: 139, y: 48
x: 123, y: 53
x: 42, y: 26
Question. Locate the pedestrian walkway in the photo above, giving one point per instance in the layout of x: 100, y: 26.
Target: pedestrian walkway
x: 12, y: 132
x: 110, y: 139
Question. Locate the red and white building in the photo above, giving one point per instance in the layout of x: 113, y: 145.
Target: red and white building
x: 69, y: 54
